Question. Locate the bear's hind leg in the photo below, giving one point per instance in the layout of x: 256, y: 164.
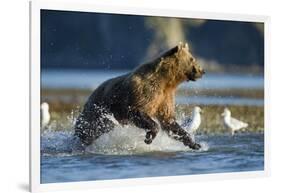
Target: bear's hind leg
x: 143, y: 121
x: 91, y: 125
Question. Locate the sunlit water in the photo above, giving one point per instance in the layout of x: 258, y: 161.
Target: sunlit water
x: 87, y: 79
x: 71, y: 79
x: 123, y: 154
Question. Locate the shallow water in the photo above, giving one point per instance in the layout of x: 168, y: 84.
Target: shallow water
x: 70, y: 79
x: 118, y: 156
x: 123, y: 154
x: 85, y: 79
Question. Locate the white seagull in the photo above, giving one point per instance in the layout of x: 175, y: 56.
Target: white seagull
x: 44, y: 115
x: 191, y: 124
x: 232, y: 124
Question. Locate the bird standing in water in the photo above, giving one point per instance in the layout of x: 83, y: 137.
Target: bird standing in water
x: 191, y: 124
x: 230, y: 123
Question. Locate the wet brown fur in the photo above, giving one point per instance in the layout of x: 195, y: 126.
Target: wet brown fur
x: 147, y: 93
x: 155, y: 83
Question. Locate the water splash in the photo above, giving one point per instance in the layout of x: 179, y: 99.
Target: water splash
x: 123, y: 140
x: 60, y: 143
x: 130, y: 140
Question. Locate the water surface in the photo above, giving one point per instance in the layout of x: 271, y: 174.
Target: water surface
x: 87, y: 79
x: 122, y: 153
x: 221, y: 153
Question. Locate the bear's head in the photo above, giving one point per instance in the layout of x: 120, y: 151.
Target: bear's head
x: 179, y: 64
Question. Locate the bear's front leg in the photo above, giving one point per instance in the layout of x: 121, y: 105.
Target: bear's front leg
x: 174, y: 130
x: 144, y: 121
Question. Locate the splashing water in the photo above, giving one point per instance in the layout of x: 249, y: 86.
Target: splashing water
x: 122, y: 140
x: 130, y: 140
x: 60, y: 143
x: 122, y: 154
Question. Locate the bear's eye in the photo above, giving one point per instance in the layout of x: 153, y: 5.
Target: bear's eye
x: 192, y: 59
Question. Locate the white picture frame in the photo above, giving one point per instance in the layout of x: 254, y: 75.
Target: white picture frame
x: 36, y: 6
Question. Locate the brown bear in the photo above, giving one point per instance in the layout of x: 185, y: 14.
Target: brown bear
x: 141, y: 97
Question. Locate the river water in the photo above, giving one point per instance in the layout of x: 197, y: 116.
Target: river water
x: 220, y: 153
x: 123, y: 154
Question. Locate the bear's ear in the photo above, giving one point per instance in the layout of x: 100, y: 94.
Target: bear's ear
x: 180, y: 46
x: 186, y: 46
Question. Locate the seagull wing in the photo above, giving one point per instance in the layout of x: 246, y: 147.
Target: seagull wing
x: 236, y: 124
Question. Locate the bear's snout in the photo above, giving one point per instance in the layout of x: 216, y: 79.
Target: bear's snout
x: 196, y: 73
x: 203, y: 71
